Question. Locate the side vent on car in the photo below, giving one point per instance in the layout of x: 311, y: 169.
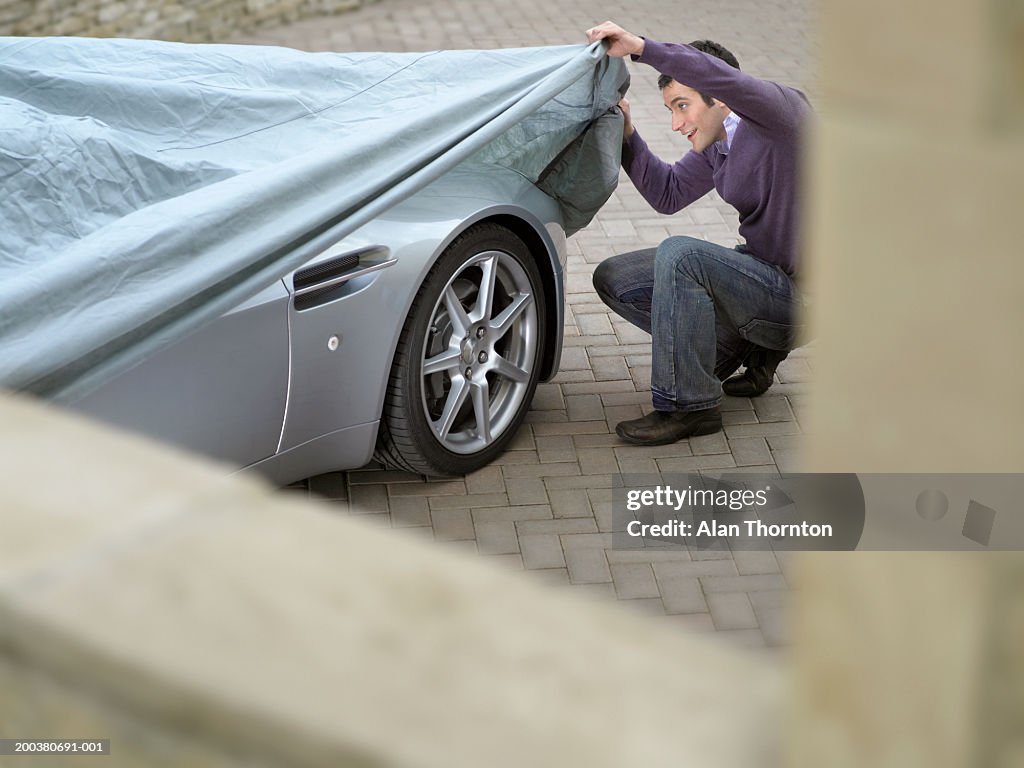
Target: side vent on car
x: 330, y: 280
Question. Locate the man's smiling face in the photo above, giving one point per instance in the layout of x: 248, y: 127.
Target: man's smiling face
x: 692, y: 117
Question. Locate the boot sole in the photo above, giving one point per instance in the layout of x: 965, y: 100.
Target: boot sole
x: 706, y: 427
x: 752, y: 393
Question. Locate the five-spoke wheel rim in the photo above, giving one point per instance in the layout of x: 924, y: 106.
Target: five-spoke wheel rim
x: 479, y: 352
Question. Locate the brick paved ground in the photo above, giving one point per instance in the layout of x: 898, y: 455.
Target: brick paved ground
x: 544, y: 507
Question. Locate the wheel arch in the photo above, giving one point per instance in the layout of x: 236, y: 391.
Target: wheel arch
x: 549, y: 264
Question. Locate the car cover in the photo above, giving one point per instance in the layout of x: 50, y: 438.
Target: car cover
x: 148, y: 186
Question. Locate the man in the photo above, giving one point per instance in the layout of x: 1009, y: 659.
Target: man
x: 710, y: 308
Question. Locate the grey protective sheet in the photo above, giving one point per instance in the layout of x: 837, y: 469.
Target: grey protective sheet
x: 148, y: 187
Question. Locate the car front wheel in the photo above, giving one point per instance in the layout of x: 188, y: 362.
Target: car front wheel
x: 468, y: 357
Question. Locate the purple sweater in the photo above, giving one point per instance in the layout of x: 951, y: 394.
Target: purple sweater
x: 759, y: 175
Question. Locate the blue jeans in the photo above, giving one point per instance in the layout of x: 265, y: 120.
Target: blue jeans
x: 706, y: 307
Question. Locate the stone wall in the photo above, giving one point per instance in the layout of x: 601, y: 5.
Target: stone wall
x: 199, y: 619
x: 185, y: 20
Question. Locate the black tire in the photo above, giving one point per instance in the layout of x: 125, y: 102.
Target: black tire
x: 485, y: 361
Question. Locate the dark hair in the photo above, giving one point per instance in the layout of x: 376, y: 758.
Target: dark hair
x: 712, y: 48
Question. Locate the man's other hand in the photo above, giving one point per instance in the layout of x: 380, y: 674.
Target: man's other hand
x: 620, y: 42
x: 627, y: 122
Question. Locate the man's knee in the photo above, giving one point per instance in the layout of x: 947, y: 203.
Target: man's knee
x: 681, y: 255
x: 603, y: 278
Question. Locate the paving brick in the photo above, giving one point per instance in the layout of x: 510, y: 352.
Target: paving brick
x: 525, y: 491
x: 629, y: 451
x: 648, y: 555
x: 773, y: 409
x: 525, y: 512
x: 773, y: 625
x: 762, y: 430
x: 572, y: 428
x: 610, y: 369
x: 452, y: 524
x: 586, y: 541
x: 702, y: 445
x: 750, y: 451
x: 486, y: 480
x: 692, y: 569
x: 731, y: 610
x: 516, y: 457
x: 641, y: 375
x: 555, y: 448
x: 736, y: 404
x: 589, y: 342
x: 570, y: 504
x: 769, y: 599
x: 628, y: 333
x: 788, y: 461
x: 548, y: 397
x: 368, y: 476
x: 617, y: 413
x: 370, y: 498
x: 551, y: 576
x: 584, y: 407
x: 557, y: 469
x: 752, y: 583
x: 448, y: 488
x: 738, y: 417
x: 541, y: 550
x: 573, y: 377
x: 751, y: 562
x: 625, y: 398
x: 680, y: 595
x: 469, y: 501
x: 409, y: 511
x: 574, y: 358
x: 635, y: 580
x: 598, y: 388
x: 587, y: 566
x: 561, y: 525
x: 497, y: 538
x: 604, y: 516
x: 545, y: 417
x: 716, y: 551
x: 595, y: 325
x: 621, y: 350
x: 638, y: 466
x: 579, y: 481
x: 597, y: 461
x: 639, y: 361
x: 693, y: 463
x: 785, y: 442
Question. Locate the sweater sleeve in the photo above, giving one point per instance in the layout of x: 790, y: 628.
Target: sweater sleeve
x: 668, y: 188
x: 765, y: 104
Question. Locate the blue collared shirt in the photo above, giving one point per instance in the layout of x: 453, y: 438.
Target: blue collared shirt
x: 731, y: 121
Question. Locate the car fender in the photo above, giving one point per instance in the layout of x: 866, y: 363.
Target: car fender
x: 329, y: 391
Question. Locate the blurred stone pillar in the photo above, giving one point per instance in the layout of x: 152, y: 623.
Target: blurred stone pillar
x: 916, y: 659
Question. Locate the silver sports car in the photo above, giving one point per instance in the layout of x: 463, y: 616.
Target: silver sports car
x: 419, y: 339
x: 295, y: 261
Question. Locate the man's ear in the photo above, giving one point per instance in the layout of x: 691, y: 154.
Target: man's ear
x: 720, y: 103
